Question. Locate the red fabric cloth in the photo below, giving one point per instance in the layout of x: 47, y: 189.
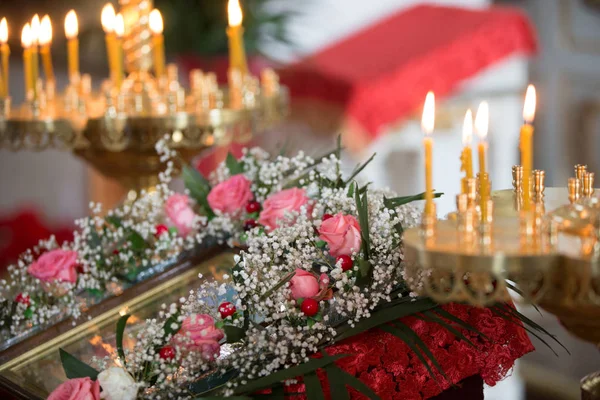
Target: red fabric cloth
x: 382, y: 74
x: 389, y: 367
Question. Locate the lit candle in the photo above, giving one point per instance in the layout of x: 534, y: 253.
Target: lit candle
x: 26, y: 43
x: 158, y: 42
x: 71, y: 31
x: 5, y: 51
x: 119, y: 31
x: 466, y: 157
x: 35, y: 62
x: 235, y: 32
x: 45, y: 40
x: 526, y: 139
x: 108, y: 24
x: 481, y: 127
x: 427, y: 124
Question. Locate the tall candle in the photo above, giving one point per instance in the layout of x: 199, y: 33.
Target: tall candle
x: 26, y: 43
x: 481, y: 127
x: 5, y: 52
x: 35, y: 61
x: 71, y: 31
x: 466, y: 157
x: 45, y: 39
x: 119, y: 31
x: 108, y: 24
x: 235, y: 33
x: 158, y: 42
x: 526, y: 144
x: 427, y: 125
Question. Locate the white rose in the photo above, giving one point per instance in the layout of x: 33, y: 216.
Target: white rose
x: 117, y: 384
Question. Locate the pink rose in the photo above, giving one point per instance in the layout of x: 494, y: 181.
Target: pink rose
x: 342, y: 234
x: 230, y: 196
x: 77, y: 389
x: 201, y: 334
x: 276, y: 205
x: 56, y: 265
x: 305, y: 284
x: 180, y: 213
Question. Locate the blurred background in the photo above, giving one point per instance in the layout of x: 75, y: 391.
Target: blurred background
x: 360, y: 69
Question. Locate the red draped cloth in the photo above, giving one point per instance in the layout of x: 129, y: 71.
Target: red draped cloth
x: 381, y: 74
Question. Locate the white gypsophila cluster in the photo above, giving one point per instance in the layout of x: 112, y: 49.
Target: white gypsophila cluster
x: 103, y: 250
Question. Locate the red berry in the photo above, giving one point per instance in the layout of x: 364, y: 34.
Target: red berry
x: 325, y: 217
x: 346, y: 261
x: 249, y: 224
x: 23, y: 299
x: 252, y: 207
x: 310, y: 307
x: 160, y: 230
x: 167, y: 353
x: 116, y: 251
x: 226, y: 309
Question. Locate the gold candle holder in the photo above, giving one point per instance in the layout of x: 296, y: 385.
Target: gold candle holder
x: 471, y: 186
x: 574, y: 187
x: 580, y: 171
x: 588, y: 184
x: 517, y: 182
x: 486, y: 226
x: 428, y: 222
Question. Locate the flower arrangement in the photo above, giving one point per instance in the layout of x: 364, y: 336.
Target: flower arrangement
x: 321, y: 264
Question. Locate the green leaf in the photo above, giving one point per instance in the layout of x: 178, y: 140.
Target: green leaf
x: 199, y: 188
x: 386, y: 315
x: 75, y: 368
x: 314, y: 391
x: 359, y: 169
x: 288, y: 277
x: 113, y: 220
x: 94, y: 292
x: 337, y: 383
x: 450, y: 317
x: 520, y: 293
x: 169, y: 323
x: 432, y: 317
x: 212, y: 382
x: 351, y: 189
x: 289, y: 373
x: 234, y: 333
x: 363, y: 220
x: 351, y: 380
x: 399, y: 201
x: 28, y: 313
x: 234, y: 166
x: 120, y: 329
x: 321, y: 244
x: 137, y: 241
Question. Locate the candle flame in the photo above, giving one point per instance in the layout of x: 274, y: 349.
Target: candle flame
x: 156, y: 22
x: 482, y: 119
x: 26, y: 36
x: 3, y: 31
x: 71, y: 25
x: 234, y: 12
x: 35, y: 28
x: 108, y: 18
x: 428, y: 119
x: 467, y: 132
x: 529, y: 107
x: 119, y: 25
x: 45, y: 31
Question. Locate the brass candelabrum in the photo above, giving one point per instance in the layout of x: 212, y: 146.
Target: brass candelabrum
x: 116, y: 128
x: 549, y: 249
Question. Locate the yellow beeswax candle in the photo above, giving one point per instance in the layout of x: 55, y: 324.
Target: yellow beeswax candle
x: 119, y: 31
x: 108, y: 24
x: 427, y: 125
x: 466, y: 157
x: 45, y: 40
x: 71, y: 32
x: 481, y: 127
x: 158, y: 42
x: 235, y: 33
x: 526, y: 144
x: 26, y: 43
x: 5, y: 52
x: 35, y: 61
